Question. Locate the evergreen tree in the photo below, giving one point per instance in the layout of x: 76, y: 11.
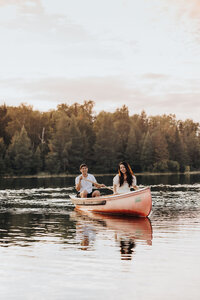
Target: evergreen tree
x: 193, y: 150
x: 37, y: 161
x: 122, y: 127
x: 133, y: 150
x: 180, y: 151
x: 20, y: 153
x: 134, y: 147
x: 160, y: 146
x: 4, y: 119
x: 106, y: 140
x: 2, y: 156
x: 57, y: 159
x: 147, y: 152
x: 75, y: 151
x: 61, y: 139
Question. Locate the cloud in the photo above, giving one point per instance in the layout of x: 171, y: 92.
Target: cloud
x: 190, y: 8
x: 155, y: 76
x: 31, y: 17
x: 24, y: 6
x: 108, y: 93
x: 184, y: 11
x: 96, y: 88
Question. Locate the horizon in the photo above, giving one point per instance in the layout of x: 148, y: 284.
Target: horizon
x: 143, y: 54
x: 95, y: 113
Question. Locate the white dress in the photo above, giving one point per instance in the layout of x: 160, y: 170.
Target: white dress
x: 125, y: 188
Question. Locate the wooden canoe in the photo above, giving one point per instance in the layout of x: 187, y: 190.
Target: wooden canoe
x: 136, y: 203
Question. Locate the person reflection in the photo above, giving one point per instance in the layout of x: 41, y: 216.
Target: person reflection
x: 86, y: 234
x: 85, y: 243
x: 126, y: 249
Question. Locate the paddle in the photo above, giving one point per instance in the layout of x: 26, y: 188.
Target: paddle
x: 106, y: 187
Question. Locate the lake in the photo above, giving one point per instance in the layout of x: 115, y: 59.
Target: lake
x: 49, y: 251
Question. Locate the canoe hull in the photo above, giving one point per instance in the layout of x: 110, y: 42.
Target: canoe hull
x: 136, y: 203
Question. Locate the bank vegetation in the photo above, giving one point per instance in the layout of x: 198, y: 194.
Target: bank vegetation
x: 58, y: 141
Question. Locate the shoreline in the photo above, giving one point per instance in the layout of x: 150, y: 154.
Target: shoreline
x: 97, y: 175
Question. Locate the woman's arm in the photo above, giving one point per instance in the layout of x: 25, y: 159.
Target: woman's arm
x: 135, y: 187
x: 134, y: 184
x: 115, y: 189
x: 115, y: 184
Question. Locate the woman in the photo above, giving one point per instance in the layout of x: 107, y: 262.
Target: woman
x: 125, y: 180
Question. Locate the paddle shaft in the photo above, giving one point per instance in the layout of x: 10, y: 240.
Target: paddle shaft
x: 107, y: 187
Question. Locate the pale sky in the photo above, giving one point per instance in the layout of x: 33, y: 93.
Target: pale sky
x: 142, y: 53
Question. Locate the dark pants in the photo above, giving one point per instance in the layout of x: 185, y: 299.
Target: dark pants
x: 88, y: 195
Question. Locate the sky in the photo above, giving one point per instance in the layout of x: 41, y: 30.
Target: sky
x: 144, y: 54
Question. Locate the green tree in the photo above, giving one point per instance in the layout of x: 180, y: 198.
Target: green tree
x: 190, y: 131
x: 147, y: 152
x: 134, y: 147
x: 4, y: 119
x: 160, y: 146
x: 83, y: 114
x: 85, y: 121
x: 2, y: 157
x: 180, y: 153
x: 76, y: 147
x: 193, y: 151
x: 19, y: 155
x: 122, y: 127
x: 57, y: 159
x: 106, y: 141
x: 37, y: 161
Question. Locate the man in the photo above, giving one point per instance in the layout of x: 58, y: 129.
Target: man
x: 84, y: 183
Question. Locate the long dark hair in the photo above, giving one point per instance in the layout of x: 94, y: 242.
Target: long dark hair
x: 129, y: 174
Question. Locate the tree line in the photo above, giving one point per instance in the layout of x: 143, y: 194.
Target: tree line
x: 59, y: 140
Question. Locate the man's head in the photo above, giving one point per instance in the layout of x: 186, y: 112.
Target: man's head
x: 83, y: 169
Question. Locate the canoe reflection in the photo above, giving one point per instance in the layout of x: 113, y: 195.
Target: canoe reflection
x: 127, y: 231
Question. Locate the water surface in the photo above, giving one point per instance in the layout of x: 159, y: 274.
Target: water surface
x: 49, y: 251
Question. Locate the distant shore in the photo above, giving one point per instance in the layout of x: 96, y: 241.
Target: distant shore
x: 46, y: 175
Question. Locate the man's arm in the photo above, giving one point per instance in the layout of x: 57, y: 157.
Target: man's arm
x: 96, y: 184
x: 78, y: 185
x: 99, y: 185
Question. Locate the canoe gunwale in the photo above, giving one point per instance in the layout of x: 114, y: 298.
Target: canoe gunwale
x: 107, y: 197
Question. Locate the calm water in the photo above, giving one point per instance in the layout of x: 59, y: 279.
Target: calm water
x: 48, y: 251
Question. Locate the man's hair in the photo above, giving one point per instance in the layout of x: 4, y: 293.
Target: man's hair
x: 83, y: 165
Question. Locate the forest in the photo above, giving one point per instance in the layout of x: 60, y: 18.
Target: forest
x: 58, y: 141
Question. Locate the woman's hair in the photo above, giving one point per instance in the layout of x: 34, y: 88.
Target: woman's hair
x: 129, y: 174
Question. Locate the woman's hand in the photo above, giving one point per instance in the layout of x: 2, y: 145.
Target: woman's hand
x: 136, y: 187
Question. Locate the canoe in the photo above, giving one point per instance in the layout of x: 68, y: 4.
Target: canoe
x: 136, y: 203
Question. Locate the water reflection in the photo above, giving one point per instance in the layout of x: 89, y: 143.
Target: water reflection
x: 49, y: 251
x: 81, y: 230
x: 127, y: 231
x: 62, y: 182
x: 24, y: 229
x: 126, y: 249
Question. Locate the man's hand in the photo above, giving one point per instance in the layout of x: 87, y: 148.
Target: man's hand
x: 78, y: 186
x: 99, y: 185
